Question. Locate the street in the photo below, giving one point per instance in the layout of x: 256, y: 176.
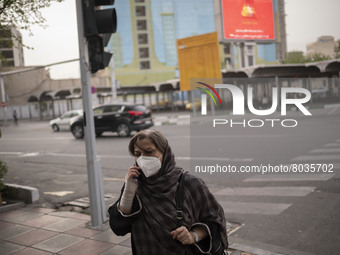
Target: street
x: 287, y: 213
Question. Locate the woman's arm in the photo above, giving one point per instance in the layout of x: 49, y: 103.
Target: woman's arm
x: 131, y: 185
x: 120, y: 223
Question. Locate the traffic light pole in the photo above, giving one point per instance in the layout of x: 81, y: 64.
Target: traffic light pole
x: 94, y: 170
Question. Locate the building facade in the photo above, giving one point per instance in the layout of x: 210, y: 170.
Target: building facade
x: 11, y: 49
x: 324, y: 45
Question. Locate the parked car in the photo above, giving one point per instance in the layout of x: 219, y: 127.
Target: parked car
x: 120, y: 118
x: 63, y: 122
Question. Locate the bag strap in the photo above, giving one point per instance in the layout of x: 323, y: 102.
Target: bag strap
x: 179, y: 200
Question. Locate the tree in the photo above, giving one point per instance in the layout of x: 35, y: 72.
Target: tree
x: 297, y: 57
x: 316, y: 57
x: 337, y: 49
x: 22, y: 14
x: 294, y: 57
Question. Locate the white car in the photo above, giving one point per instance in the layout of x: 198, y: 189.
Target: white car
x: 63, y: 122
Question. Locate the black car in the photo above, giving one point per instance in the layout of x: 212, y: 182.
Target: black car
x: 120, y: 118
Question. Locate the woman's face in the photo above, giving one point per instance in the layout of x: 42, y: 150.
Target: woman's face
x: 145, y: 147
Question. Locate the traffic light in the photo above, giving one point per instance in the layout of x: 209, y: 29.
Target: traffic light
x: 99, y: 24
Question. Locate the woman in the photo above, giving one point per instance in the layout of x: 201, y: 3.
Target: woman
x: 147, y: 206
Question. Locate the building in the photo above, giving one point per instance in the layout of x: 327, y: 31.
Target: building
x: 144, y: 46
x: 11, y: 49
x: 324, y: 45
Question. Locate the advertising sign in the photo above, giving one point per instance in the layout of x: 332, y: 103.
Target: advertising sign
x: 198, y: 57
x: 248, y: 20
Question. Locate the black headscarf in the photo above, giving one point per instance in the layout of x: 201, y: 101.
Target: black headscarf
x: 151, y: 231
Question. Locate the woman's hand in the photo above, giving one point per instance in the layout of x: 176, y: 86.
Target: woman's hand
x: 132, y: 174
x: 131, y: 185
x: 183, y: 235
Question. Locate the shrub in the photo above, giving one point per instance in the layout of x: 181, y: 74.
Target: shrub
x: 3, y: 171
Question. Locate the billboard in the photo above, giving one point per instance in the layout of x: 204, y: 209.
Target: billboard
x: 198, y: 57
x: 248, y: 20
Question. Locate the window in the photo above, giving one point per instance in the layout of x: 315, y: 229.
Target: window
x: 5, y: 34
x: 98, y: 110
x: 112, y: 108
x: 227, y: 62
x: 249, y: 54
x: 8, y: 63
x: 250, y: 60
x: 140, y: 11
x: 143, y: 38
x: 141, y: 24
x: 7, y: 53
x: 250, y: 50
x: 226, y: 49
x: 143, y: 52
x: 5, y: 44
x: 145, y: 65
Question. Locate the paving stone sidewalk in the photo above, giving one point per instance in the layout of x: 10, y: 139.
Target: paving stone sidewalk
x: 42, y: 231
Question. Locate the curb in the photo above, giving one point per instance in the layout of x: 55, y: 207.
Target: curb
x: 26, y: 194
x: 11, y: 205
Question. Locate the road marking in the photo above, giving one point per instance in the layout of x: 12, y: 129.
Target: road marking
x: 326, y: 150
x: 332, y: 145
x: 10, y: 153
x: 31, y: 154
x: 216, y: 159
x: 289, y: 177
x: 254, y: 250
x: 83, y: 155
x: 65, y: 155
x: 332, y: 111
x: 254, y: 208
x: 231, y: 136
x: 62, y: 138
x: 113, y: 179
x: 59, y: 193
x: 266, y: 191
x: 316, y: 158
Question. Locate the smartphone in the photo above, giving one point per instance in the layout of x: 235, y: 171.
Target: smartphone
x: 137, y: 178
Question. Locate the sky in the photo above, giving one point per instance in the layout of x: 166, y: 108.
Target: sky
x: 306, y: 20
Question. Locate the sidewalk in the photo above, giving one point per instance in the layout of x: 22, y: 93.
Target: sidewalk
x: 42, y: 231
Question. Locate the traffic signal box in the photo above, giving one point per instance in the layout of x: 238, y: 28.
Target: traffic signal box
x: 99, y: 24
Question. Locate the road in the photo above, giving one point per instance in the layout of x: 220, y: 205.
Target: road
x: 289, y: 213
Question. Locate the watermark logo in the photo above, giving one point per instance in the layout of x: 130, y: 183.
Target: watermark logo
x: 204, y: 97
x: 239, y: 102
x: 239, y: 99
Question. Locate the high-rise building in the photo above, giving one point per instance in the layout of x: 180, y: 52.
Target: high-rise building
x: 169, y: 34
x: 11, y: 49
x: 144, y: 46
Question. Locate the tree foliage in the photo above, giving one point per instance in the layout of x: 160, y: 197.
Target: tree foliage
x: 23, y: 14
x: 294, y: 57
x: 3, y: 171
x: 337, y: 49
x: 297, y: 57
x: 316, y: 57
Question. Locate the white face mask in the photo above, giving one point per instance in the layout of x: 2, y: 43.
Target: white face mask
x: 149, y: 165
